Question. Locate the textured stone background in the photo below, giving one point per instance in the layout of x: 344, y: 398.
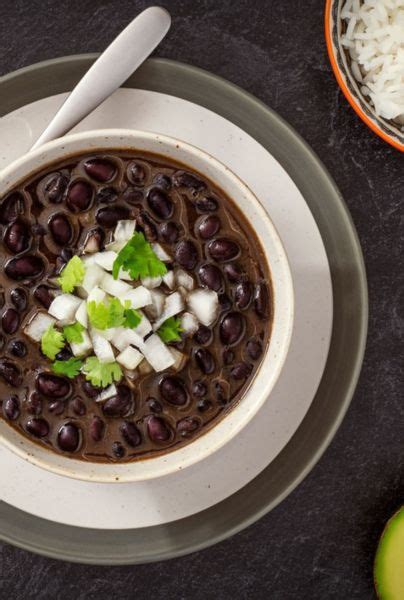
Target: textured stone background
x: 320, y: 542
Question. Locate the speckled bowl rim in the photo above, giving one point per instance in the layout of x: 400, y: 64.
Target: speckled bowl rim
x: 292, y: 465
x: 259, y: 388
x: 349, y: 85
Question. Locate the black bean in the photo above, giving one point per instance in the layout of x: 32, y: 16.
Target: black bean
x: 37, y: 427
x: 243, y: 295
x: 224, y: 302
x: 188, y: 180
x: 17, y: 237
x: 205, y: 360
x: 11, y: 207
x: 2, y: 299
x: 208, y: 227
x: 158, y: 429
x: 66, y: 254
x: 130, y: 434
x: 10, y: 321
x: 199, y: 389
x: 261, y: 300
x: 186, y: 254
x: 10, y: 373
x: 34, y: 404
x: 203, y: 335
x: 108, y: 195
x: 173, y: 390
x: 254, y: 349
x: 57, y: 407
x: 79, y: 196
x: 169, y: 232
x: 210, y: 276
x: 160, y: 203
x: 187, y: 426
x: 207, y: 205
x: 64, y: 354
x: 19, y: 299
x: 119, y: 405
x: 154, y: 405
x: 96, y: 429
x: 204, y: 405
x: 222, y: 394
x: 118, y: 450
x: 11, y: 408
x: 223, y: 249
x: 90, y: 390
x: 61, y: 230
x: 43, y: 295
x: 52, y: 386
x: 55, y: 187
x: 137, y: 173
x: 241, y: 370
x: 18, y: 348
x: 68, y: 437
x: 232, y: 328
x: 78, y: 407
x: 234, y: 272
x: 132, y: 196
x: 162, y: 181
x: 110, y: 215
x: 24, y: 267
x: 100, y: 169
x: 228, y: 356
x: 147, y: 224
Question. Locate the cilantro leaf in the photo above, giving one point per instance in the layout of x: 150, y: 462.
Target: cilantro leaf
x: 98, y: 313
x: 138, y: 258
x: 116, y: 315
x: 52, y: 342
x: 71, y: 367
x: 101, y: 374
x: 72, y: 274
x: 170, y: 330
x: 74, y: 333
x: 132, y: 318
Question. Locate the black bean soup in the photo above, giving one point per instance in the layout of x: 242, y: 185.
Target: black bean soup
x: 73, y: 206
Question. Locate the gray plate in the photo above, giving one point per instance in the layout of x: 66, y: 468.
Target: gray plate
x: 347, y: 345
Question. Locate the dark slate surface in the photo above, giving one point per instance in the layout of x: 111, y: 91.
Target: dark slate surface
x: 320, y: 542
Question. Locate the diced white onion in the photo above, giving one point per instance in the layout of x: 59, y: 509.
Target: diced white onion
x: 204, y: 304
x: 129, y: 358
x: 82, y: 348
x: 152, y: 282
x: 157, y: 353
x: 180, y: 359
x: 155, y: 309
x: 127, y: 337
x: 37, y: 326
x: 114, y: 287
x: 81, y: 314
x: 106, y: 393
x: 173, y: 305
x: 105, y: 259
x: 102, y: 348
x: 138, y: 297
x: 124, y: 230
x: 184, y: 279
x: 189, y: 323
x: 169, y: 279
x: 160, y: 252
x: 144, y: 326
x: 92, y: 277
x: 96, y: 295
x: 64, y: 307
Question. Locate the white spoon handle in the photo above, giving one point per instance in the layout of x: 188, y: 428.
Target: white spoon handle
x: 126, y: 53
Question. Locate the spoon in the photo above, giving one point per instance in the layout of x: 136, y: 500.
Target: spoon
x: 122, y: 57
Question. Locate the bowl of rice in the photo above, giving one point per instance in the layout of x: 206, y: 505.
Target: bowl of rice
x: 365, y: 42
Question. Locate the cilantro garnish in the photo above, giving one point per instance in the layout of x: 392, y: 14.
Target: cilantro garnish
x: 138, y: 258
x: 112, y: 314
x: 132, y: 318
x: 170, y: 330
x: 101, y: 374
x: 74, y: 333
x: 70, y: 367
x: 52, y: 342
x: 72, y: 274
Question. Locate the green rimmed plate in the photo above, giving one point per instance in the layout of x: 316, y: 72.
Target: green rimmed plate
x: 317, y: 429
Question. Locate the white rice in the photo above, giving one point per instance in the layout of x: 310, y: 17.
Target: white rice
x: 374, y: 39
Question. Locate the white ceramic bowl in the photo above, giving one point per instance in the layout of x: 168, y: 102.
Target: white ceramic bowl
x: 268, y: 373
